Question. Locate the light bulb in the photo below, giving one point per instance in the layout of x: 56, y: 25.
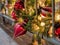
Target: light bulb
x: 57, y: 17
x: 23, y: 9
x: 42, y: 24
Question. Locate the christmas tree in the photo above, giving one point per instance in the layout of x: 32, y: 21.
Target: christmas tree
x: 34, y: 16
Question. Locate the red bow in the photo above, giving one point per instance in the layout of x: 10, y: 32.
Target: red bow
x: 57, y: 31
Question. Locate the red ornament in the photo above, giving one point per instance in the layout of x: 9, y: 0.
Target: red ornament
x: 49, y: 9
x: 14, y: 15
x: 57, y: 31
x: 43, y: 13
x: 19, y: 5
x: 19, y: 30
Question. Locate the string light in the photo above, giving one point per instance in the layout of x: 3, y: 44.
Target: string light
x: 57, y: 17
x: 42, y: 24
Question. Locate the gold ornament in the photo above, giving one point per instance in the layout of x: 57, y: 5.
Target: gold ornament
x: 41, y: 3
x: 35, y: 27
x: 31, y: 11
x: 39, y: 18
x: 20, y: 20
